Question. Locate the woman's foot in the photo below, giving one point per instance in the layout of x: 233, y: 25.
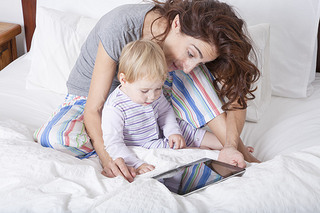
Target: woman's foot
x: 250, y: 149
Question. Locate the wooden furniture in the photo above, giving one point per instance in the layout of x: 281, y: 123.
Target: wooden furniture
x: 29, y: 16
x: 8, y: 46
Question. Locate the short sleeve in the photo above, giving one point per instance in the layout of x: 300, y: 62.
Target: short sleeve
x: 193, y: 96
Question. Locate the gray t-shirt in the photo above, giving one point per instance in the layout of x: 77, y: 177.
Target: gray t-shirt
x: 115, y: 29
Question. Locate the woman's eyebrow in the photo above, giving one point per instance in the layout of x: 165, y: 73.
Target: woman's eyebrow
x: 201, y: 56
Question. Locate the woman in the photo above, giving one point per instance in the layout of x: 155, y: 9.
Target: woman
x: 191, y: 33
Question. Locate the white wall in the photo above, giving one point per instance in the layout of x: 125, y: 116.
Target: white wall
x: 11, y: 11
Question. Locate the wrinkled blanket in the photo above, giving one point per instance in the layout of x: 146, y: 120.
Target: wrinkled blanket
x: 38, y: 179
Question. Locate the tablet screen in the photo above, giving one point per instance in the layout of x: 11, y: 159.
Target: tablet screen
x: 197, y: 175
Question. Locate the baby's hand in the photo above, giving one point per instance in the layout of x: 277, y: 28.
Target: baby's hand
x: 177, y: 140
x: 144, y: 168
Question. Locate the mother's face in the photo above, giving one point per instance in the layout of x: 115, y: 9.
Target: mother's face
x: 185, y: 52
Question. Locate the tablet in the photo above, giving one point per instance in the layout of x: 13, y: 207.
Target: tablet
x: 198, y: 175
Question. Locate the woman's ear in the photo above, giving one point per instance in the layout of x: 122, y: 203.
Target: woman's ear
x: 176, y: 24
x: 122, y: 78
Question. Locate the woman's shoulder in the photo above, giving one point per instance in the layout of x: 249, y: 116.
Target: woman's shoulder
x: 127, y: 11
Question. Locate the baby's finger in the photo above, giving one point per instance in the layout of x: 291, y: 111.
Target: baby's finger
x: 170, y: 143
x: 183, y: 144
x: 178, y: 144
x: 150, y: 167
x: 142, y: 171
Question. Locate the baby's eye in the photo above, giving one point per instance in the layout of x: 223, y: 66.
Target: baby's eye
x: 190, y: 54
x: 144, y: 91
x: 160, y: 88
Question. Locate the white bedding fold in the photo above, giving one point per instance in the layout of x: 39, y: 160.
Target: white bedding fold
x: 38, y: 179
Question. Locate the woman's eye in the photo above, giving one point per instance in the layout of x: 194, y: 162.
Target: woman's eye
x: 190, y: 54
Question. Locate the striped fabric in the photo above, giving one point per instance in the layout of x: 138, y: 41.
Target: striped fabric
x: 126, y: 123
x: 193, y: 96
x: 141, y: 124
x: 65, y: 130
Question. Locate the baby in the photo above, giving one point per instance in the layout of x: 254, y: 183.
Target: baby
x: 136, y: 113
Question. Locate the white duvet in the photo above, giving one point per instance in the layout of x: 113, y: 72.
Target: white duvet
x: 38, y: 179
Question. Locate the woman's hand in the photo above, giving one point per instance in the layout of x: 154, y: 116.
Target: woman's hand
x: 117, y: 167
x: 144, y: 168
x: 230, y: 155
x: 177, y: 141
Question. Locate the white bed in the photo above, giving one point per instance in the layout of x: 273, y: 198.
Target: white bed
x: 285, y: 133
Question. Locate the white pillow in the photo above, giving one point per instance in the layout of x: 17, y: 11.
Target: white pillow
x: 293, y: 27
x: 61, y: 28
x: 55, y: 48
x: 260, y: 34
x: 88, y: 8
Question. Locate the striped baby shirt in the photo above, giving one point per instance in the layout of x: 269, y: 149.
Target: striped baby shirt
x: 125, y: 123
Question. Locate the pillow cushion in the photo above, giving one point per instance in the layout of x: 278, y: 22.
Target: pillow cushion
x: 260, y: 34
x: 55, y: 48
x: 61, y: 29
x: 293, y: 37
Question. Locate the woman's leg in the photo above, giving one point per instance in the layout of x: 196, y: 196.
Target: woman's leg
x: 65, y: 131
x: 210, y: 141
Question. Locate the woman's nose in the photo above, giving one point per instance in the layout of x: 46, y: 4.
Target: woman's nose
x: 188, y: 66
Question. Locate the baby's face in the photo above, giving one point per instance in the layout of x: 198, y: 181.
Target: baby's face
x: 144, y: 91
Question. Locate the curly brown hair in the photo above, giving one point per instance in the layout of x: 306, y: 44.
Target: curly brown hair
x: 217, y: 23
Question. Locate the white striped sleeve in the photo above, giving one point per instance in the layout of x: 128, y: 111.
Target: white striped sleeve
x: 112, y: 128
x: 167, y: 118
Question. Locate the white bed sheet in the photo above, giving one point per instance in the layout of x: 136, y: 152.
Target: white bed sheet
x: 288, y: 125
x: 30, y: 107
x: 38, y: 179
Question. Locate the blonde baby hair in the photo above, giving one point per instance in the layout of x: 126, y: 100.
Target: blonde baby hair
x: 143, y: 59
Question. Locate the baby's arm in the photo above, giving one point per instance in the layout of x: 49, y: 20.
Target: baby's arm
x: 168, y: 123
x: 112, y: 129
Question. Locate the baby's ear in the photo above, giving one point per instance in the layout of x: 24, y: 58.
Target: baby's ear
x: 122, y: 78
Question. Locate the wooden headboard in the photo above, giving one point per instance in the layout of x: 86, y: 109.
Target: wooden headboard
x: 29, y: 15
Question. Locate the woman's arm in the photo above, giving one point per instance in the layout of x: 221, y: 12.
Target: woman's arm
x: 102, y: 77
x: 235, y: 122
x: 228, y: 127
x: 231, y: 152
